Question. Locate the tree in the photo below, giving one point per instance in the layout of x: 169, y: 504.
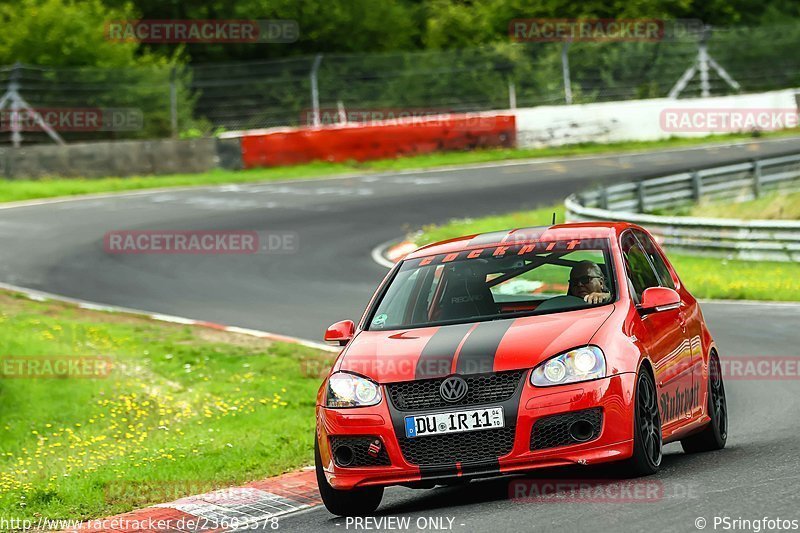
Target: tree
x: 70, y: 63
x: 68, y: 33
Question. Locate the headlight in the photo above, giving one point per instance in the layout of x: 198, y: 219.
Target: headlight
x: 348, y: 390
x: 580, y: 364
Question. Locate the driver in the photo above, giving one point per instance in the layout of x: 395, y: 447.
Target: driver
x: 587, y: 282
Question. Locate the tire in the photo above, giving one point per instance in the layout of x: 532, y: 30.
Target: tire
x: 647, y: 438
x: 715, y: 434
x: 356, y: 502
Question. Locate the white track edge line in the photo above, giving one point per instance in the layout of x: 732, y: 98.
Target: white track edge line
x: 378, y: 253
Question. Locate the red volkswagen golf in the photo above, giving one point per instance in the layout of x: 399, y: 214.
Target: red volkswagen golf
x: 515, y: 350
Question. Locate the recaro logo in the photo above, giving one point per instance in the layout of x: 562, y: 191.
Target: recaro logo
x: 453, y: 389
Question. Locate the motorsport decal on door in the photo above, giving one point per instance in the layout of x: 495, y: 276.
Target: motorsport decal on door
x: 680, y: 403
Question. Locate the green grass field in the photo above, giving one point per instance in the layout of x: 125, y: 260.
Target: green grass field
x: 24, y: 189
x: 778, y: 206
x: 705, y: 277
x: 184, y: 410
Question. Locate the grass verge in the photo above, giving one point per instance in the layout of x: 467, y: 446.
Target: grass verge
x: 705, y: 277
x: 775, y: 206
x: 25, y: 189
x: 183, y: 410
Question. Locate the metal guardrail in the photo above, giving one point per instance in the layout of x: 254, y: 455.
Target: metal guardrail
x: 756, y: 240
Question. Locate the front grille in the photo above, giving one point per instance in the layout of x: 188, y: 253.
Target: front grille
x: 360, y: 455
x: 448, y: 449
x: 553, y: 431
x: 482, y: 388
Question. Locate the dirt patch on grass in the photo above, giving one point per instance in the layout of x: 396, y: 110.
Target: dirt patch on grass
x: 207, y: 335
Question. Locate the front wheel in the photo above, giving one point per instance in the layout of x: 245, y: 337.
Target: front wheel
x: 715, y: 434
x: 356, y: 502
x: 647, y: 441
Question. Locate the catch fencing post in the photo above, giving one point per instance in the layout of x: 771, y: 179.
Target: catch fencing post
x: 18, y: 103
x: 13, y: 88
x: 342, y: 112
x: 702, y: 63
x: 315, y: 89
x: 512, y: 95
x: 702, y: 60
x: 173, y: 102
x: 565, y: 72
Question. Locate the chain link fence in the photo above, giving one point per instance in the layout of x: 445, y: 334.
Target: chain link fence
x: 201, y: 100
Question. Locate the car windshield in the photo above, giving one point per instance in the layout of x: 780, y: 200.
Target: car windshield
x: 496, y: 282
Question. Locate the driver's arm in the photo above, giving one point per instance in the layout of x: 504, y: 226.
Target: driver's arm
x: 597, y: 297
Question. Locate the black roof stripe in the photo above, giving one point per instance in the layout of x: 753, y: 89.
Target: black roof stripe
x: 488, y: 238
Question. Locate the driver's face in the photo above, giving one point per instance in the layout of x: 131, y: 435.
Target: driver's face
x: 585, y: 280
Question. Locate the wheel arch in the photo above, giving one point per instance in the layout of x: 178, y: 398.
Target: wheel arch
x: 647, y: 365
x: 712, y: 350
x: 706, y: 362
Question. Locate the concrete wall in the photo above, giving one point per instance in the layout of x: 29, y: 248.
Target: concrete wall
x: 633, y: 120
x: 119, y: 158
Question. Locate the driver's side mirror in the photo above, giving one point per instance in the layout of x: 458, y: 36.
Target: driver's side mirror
x: 341, y: 333
x: 657, y: 299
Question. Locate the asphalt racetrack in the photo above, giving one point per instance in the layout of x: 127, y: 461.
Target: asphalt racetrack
x: 58, y: 248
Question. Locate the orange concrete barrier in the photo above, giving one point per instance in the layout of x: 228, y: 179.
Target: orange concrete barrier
x: 378, y: 140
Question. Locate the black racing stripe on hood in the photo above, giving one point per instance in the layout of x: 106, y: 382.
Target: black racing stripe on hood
x: 477, y: 354
x: 436, y: 359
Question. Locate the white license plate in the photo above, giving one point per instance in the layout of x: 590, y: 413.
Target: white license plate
x: 455, y: 422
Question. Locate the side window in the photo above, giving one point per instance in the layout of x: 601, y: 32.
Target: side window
x: 658, y: 262
x: 638, y: 268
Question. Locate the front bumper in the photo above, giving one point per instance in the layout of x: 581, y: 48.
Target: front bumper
x: 614, y: 395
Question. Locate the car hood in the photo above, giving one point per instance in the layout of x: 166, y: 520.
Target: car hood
x: 474, y: 348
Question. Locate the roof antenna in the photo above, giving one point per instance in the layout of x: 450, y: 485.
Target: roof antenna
x: 554, y: 218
